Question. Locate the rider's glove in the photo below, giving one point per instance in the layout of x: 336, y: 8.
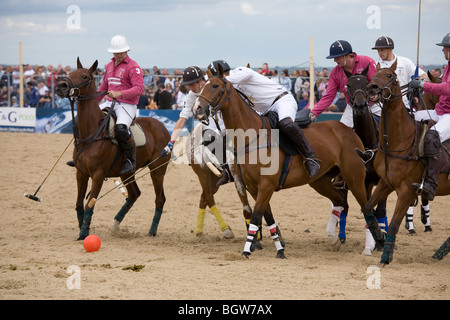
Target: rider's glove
x: 416, y: 84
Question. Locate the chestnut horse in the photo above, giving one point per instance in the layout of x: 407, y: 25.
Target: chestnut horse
x: 96, y: 157
x: 398, y: 161
x: 267, y: 168
x: 198, y: 155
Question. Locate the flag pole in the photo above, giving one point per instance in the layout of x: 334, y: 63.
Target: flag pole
x: 311, y: 73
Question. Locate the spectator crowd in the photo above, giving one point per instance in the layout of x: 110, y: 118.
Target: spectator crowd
x: 162, y: 90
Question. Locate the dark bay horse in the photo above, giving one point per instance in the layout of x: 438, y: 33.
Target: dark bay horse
x: 265, y: 169
x: 96, y: 157
x: 365, y: 124
x: 398, y: 161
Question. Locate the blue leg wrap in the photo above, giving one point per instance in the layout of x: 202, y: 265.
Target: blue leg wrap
x: 124, y: 210
x: 388, y: 249
x: 342, y: 225
x: 84, y: 231
x: 155, y: 223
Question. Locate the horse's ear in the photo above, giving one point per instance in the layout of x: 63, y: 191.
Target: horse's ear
x: 394, y: 65
x: 209, y: 73
x: 79, y: 65
x: 220, y: 71
x: 248, y: 65
x: 347, y: 73
x: 378, y: 66
x: 432, y: 78
x: 94, y: 66
x: 366, y: 70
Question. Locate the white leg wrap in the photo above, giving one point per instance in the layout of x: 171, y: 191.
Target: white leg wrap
x: 333, y: 221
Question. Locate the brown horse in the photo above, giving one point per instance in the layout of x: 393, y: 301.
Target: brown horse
x: 365, y: 125
x: 397, y: 162
x: 428, y: 100
x: 96, y: 157
x: 201, y: 159
x: 267, y: 168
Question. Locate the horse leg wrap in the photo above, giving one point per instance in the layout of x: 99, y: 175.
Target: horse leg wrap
x: 388, y: 249
x: 374, y: 228
x: 84, y: 231
x: 80, y: 217
x: 425, y: 215
x: 409, y: 223
x: 124, y: 210
x: 276, y: 240
x: 259, y: 234
x: 155, y: 223
x: 200, y: 221
x: 443, y: 250
x: 333, y: 221
x: 251, y: 237
x: 342, y: 225
x: 222, y: 224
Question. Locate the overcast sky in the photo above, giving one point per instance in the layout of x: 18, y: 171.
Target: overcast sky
x: 180, y: 33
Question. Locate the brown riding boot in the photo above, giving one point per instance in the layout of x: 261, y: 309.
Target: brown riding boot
x: 432, y: 152
x: 295, y: 133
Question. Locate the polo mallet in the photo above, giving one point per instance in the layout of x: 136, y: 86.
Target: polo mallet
x: 33, y: 196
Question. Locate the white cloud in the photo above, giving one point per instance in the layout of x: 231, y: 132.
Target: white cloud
x: 248, y: 9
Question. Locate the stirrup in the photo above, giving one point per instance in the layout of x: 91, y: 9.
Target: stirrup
x: 314, y: 162
x: 126, y: 170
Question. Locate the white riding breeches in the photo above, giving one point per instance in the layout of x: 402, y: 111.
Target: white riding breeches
x: 285, y: 107
x: 125, y: 112
x: 347, y: 116
x: 442, y: 125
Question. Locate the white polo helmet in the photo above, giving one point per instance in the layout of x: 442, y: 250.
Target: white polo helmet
x: 118, y: 44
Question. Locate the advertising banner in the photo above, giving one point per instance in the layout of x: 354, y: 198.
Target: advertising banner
x: 17, y: 119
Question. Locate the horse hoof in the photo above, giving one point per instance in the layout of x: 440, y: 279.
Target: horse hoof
x: 258, y: 245
x: 246, y: 254
x: 427, y: 229
x: 367, y: 252
x: 412, y: 232
x: 334, y: 242
x: 342, y: 240
x: 280, y: 254
x: 81, y: 238
x: 151, y: 234
x: 228, y: 234
x: 115, y: 225
x: 199, y: 234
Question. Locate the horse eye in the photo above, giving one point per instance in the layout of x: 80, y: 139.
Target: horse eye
x: 215, y: 86
x: 84, y: 76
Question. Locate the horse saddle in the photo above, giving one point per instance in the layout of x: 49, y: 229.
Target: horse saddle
x: 302, y: 119
x: 136, y: 130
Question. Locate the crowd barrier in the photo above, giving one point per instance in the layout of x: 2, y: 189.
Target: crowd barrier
x: 47, y: 120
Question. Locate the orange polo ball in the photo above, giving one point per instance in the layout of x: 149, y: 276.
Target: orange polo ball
x: 92, y: 243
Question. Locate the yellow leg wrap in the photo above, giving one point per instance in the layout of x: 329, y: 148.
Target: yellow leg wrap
x: 222, y: 224
x: 200, y: 221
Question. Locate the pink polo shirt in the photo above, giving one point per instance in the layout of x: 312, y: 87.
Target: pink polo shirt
x: 126, y: 77
x: 338, y: 82
x: 441, y: 89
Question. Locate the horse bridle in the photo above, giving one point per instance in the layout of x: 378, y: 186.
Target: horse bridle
x: 352, y: 96
x: 213, y: 107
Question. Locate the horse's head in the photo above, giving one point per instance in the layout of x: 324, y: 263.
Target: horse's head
x: 212, y: 96
x: 384, y: 84
x: 79, y: 82
x: 357, y: 90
